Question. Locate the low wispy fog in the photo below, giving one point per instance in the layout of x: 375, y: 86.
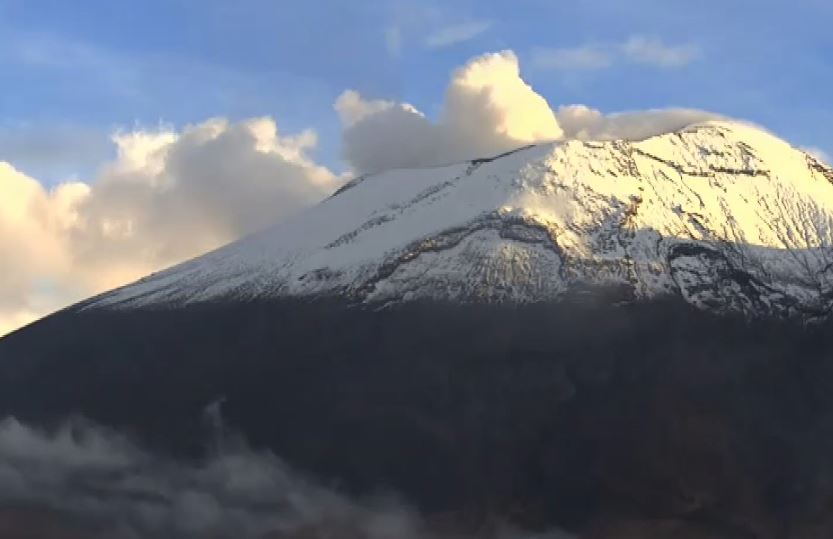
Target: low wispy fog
x: 83, y: 481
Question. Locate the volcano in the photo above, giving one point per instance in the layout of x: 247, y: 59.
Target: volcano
x: 597, y: 335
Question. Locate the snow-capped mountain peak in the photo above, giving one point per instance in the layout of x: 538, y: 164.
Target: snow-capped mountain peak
x: 724, y: 214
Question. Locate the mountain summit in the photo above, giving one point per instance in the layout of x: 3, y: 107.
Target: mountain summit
x: 723, y: 214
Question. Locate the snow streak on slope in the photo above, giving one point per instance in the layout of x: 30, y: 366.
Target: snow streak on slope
x: 724, y: 214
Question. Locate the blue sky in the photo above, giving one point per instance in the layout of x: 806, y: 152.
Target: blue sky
x: 73, y: 72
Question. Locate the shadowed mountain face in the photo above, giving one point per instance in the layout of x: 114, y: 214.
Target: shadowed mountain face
x: 651, y: 419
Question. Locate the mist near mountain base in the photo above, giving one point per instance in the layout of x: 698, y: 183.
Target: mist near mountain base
x: 82, y: 480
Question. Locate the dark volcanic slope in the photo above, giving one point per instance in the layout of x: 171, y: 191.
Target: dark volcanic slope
x: 571, y: 414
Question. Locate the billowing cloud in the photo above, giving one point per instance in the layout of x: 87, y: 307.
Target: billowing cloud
x: 172, y: 196
x: 352, y: 108
x: 167, y: 197
x: 83, y: 481
x: 488, y: 109
x: 489, y: 92
x: 456, y: 33
x: 34, y: 224
x: 381, y: 135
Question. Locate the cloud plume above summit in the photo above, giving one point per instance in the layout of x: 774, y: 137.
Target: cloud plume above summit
x: 488, y: 109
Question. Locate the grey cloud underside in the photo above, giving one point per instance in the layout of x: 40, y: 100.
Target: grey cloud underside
x: 724, y: 215
x: 85, y: 481
x: 89, y: 482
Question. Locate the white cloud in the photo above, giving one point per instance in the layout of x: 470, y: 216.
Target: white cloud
x: 488, y: 109
x: 34, y: 224
x: 589, y: 57
x: 170, y: 196
x: 652, y: 51
x: 489, y: 92
x: 457, y: 33
x: 392, y: 135
x: 636, y: 49
x: 167, y: 196
x: 352, y: 108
